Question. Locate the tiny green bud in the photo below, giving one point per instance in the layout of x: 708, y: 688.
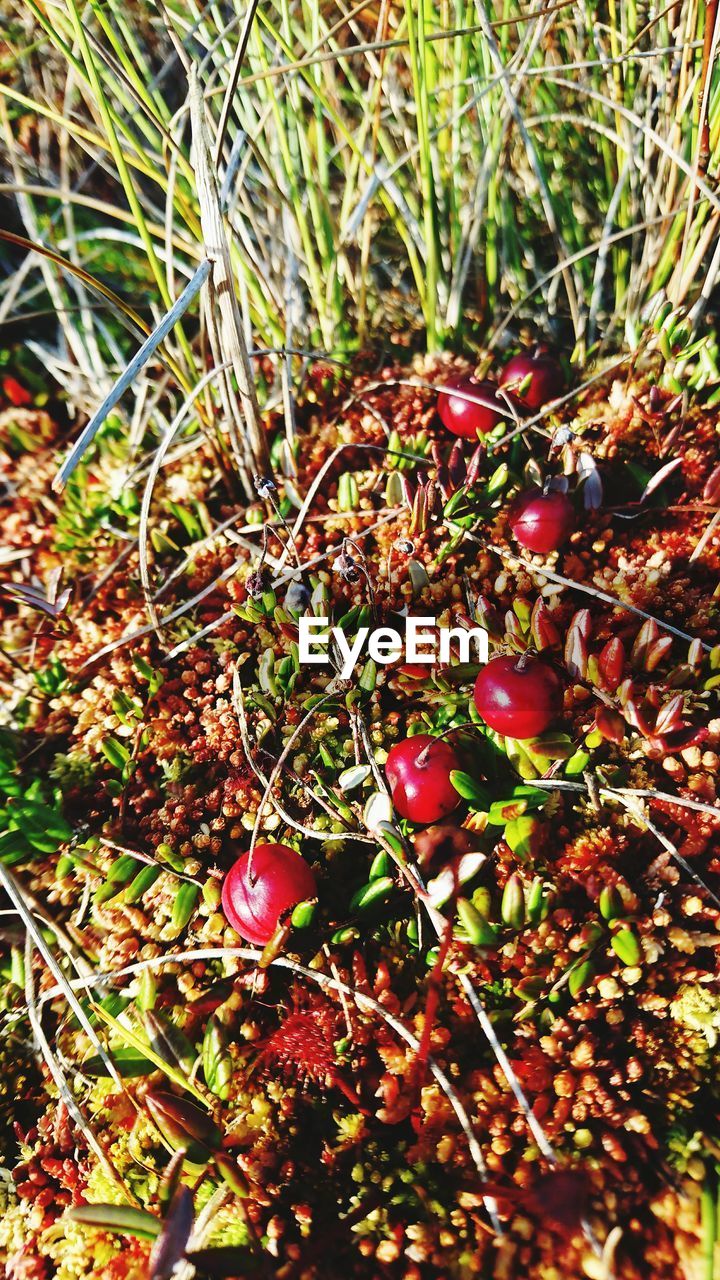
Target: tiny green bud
x: 512, y: 908
x: 611, y: 903
x: 627, y: 948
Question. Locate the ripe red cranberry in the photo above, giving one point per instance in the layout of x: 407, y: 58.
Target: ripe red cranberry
x: 467, y: 417
x: 254, y: 901
x: 542, y: 522
x: 518, y: 697
x: 546, y: 378
x: 418, y: 770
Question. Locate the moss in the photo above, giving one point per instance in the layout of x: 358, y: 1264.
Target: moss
x: 74, y: 770
x: 698, y: 1009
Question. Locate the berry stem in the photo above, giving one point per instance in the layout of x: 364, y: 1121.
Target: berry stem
x: 422, y: 759
x: 267, y: 794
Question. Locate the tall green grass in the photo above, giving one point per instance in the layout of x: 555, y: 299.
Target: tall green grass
x: 435, y: 168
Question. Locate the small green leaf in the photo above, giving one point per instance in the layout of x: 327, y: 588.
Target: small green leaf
x: 368, y: 676
x: 577, y: 764
x: 303, y: 914
x: 611, y: 903
x: 117, y: 1217
x: 348, y: 494
x: 128, y: 1062
x: 550, y: 746
x: 512, y: 908
x: 371, y: 894
x: 216, y: 1059
x: 143, y: 881
x: 380, y: 865
x: 538, y: 901
x: 627, y: 948
x: 480, y: 932
x: 474, y: 792
x: 115, y: 751
x: 184, y: 905
x: 581, y: 975
x: 43, y: 828
x: 524, y: 836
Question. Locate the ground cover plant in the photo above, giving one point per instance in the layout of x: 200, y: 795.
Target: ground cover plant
x: 359, y: 313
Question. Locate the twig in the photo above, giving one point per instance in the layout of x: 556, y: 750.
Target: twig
x: 323, y: 980
x: 56, y: 1072
x: 511, y: 557
x: 138, y: 361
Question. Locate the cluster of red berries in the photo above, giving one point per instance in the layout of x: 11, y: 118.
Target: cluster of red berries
x: 541, y: 520
x: 517, y: 697
x: 527, y: 382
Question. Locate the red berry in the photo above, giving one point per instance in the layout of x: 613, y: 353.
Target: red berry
x: 518, y: 697
x: 16, y: 392
x: 542, y: 522
x: 255, y: 902
x: 546, y: 379
x: 468, y: 417
x: 418, y: 770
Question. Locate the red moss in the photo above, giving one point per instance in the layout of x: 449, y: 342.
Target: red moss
x: 303, y: 1045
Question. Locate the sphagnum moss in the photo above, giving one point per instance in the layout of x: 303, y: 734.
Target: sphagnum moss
x: 594, y: 957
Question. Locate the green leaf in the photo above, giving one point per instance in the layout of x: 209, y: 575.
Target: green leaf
x: 13, y: 848
x: 128, y: 1062
x: 581, y: 975
x: 348, y: 494
x: 550, y: 746
x: 117, y: 1217
x: 524, y: 835
x: 143, y: 881
x: 371, y: 894
x: 497, y: 481
x: 577, y: 764
x: 480, y: 932
x: 380, y: 865
x: 115, y: 751
x: 474, y: 792
x: 216, y: 1059
x: 461, y: 672
x: 521, y: 800
x: 184, y: 905
x: 627, y: 948
x: 303, y: 914
x: 43, y: 828
x: 368, y: 676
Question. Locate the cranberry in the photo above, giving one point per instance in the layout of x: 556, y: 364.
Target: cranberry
x: 468, y: 417
x: 418, y: 770
x: 542, y: 522
x: 546, y: 378
x: 518, y: 697
x: 255, y: 899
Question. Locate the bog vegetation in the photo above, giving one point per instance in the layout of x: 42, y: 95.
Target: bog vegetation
x: 359, y: 313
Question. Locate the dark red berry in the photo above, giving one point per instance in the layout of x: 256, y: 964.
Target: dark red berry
x: 468, y: 417
x: 542, y: 522
x: 255, y: 901
x: 518, y: 697
x: 418, y: 770
x: 546, y: 379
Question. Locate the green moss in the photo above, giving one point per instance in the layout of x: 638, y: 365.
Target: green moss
x: 71, y: 770
x: 698, y: 1009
